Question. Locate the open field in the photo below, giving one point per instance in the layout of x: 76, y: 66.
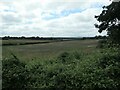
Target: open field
x: 47, y: 50
x: 24, y: 42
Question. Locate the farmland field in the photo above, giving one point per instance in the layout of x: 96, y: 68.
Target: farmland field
x: 46, y: 50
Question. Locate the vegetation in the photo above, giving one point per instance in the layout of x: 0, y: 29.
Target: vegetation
x: 75, y: 70
x: 72, y: 70
x: 110, y: 21
x: 46, y: 50
x: 13, y: 75
x: 50, y: 38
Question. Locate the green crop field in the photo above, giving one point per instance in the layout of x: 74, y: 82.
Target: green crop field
x: 46, y: 50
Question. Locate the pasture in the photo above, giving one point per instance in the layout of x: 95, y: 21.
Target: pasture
x: 45, y: 49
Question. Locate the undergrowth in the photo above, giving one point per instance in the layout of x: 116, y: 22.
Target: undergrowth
x: 69, y: 71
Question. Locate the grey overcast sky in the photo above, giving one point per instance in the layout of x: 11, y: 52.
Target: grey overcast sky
x: 68, y: 18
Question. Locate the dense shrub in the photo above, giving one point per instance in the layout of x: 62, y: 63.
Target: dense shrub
x: 106, y: 43
x: 69, y: 58
x: 64, y: 57
x: 70, y: 71
x: 104, y: 71
x: 14, y: 73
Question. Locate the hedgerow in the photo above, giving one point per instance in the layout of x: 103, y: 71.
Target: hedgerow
x: 69, y: 71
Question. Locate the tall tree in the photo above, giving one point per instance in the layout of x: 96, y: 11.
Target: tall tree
x: 109, y: 20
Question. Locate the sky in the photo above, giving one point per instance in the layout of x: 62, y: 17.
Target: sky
x: 50, y: 18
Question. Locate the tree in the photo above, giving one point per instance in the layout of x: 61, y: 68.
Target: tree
x: 109, y: 20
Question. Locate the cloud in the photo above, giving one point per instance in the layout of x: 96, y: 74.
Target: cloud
x: 49, y: 17
x: 78, y: 24
x: 10, y: 18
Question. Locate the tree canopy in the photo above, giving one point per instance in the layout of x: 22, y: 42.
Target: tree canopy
x: 109, y: 20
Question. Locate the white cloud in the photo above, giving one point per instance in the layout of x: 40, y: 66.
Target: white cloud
x: 23, y: 17
x: 76, y: 24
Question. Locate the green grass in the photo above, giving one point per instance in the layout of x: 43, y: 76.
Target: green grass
x: 20, y: 41
x: 48, y: 50
x: 24, y: 42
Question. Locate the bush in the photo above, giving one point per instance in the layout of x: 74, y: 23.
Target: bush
x: 13, y: 75
x: 65, y: 57
x: 68, y: 72
x: 104, y: 71
x: 102, y: 43
x: 69, y: 58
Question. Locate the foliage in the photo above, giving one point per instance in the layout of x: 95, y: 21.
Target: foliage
x: 13, y: 75
x: 69, y: 71
x: 102, y: 43
x: 105, y: 74
x: 110, y: 21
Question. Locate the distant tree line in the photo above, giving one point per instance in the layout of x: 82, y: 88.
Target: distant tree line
x: 53, y: 38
